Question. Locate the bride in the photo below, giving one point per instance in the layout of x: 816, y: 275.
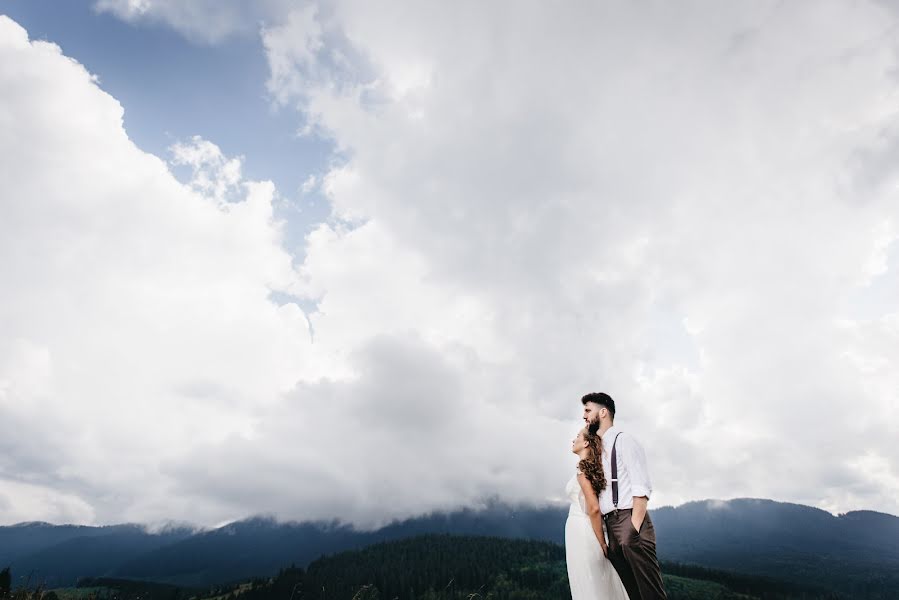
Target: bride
x: 590, y: 574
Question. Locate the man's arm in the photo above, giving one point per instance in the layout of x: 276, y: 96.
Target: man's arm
x: 639, y: 512
x: 641, y: 486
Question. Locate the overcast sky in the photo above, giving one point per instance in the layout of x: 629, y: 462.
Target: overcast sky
x: 357, y: 260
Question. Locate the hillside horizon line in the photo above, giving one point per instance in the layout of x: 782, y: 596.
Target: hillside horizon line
x: 491, y: 504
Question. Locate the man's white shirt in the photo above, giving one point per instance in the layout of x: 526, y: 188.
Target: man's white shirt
x: 633, y: 475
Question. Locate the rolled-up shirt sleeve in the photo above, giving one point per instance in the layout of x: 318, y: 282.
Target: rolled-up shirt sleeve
x: 638, y: 471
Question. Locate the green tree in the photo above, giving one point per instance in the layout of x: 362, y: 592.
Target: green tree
x: 367, y: 592
x: 5, y: 582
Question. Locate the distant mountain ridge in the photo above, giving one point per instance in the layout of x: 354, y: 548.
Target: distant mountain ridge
x: 762, y: 537
x: 850, y: 552
x: 61, y: 554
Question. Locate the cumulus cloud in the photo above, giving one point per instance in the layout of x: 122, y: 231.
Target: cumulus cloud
x: 684, y: 206
x: 203, y: 21
x: 136, y: 318
x: 583, y: 174
x: 212, y: 173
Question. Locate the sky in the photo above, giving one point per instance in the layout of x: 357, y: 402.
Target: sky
x: 346, y: 260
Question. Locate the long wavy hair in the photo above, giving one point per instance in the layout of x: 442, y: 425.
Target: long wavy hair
x: 592, y: 465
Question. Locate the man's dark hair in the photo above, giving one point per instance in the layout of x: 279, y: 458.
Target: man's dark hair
x: 602, y: 399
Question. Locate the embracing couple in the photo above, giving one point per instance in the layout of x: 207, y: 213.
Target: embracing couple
x: 610, y: 543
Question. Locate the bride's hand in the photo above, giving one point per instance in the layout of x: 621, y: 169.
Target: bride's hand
x: 605, y: 550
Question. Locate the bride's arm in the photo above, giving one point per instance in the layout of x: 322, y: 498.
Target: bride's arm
x: 592, y: 511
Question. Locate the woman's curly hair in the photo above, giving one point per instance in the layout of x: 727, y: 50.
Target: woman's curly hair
x: 592, y: 465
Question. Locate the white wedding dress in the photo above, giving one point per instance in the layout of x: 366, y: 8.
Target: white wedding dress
x: 590, y: 574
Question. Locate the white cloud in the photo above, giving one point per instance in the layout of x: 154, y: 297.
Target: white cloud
x: 680, y: 208
x: 293, y: 48
x: 577, y: 172
x: 135, y: 313
x: 21, y: 502
x: 204, y: 21
x: 213, y: 174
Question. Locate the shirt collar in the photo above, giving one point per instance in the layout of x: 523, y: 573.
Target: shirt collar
x: 610, y: 432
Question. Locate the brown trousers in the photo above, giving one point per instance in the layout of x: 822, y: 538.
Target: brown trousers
x: 633, y: 554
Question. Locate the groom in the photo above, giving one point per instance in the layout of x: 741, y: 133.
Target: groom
x: 632, y: 538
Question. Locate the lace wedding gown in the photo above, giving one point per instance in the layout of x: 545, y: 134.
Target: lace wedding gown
x: 590, y: 574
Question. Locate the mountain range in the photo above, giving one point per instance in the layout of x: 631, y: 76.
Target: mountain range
x: 850, y: 552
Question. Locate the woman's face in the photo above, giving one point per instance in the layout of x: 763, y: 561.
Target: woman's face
x: 577, y: 444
